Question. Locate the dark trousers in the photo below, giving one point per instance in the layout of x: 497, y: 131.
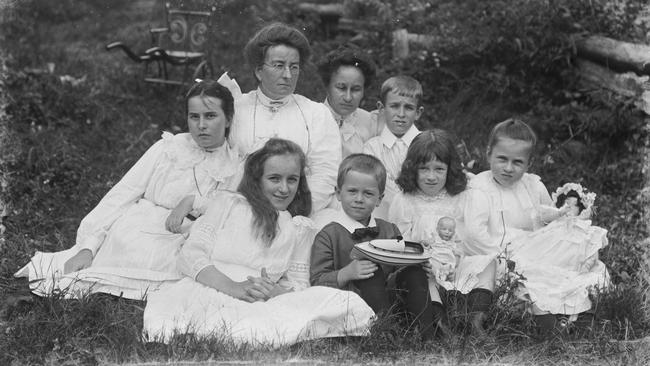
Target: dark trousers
x: 411, y: 288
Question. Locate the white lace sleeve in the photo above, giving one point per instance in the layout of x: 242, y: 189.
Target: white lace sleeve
x: 297, y: 276
x: 96, y: 225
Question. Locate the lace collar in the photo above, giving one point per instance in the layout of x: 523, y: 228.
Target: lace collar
x: 442, y: 195
x: 272, y: 105
x: 222, y: 162
x: 340, y: 119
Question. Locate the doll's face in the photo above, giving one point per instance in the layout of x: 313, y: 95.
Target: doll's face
x: 446, y: 228
x: 571, y: 202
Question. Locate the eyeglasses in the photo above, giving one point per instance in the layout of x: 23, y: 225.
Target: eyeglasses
x: 279, y: 67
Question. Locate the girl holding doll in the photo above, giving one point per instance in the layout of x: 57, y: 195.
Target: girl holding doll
x: 433, y: 184
x: 509, y: 210
x: 246, y: 258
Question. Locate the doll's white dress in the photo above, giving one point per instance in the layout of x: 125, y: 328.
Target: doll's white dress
x: 133, y: 252
x: 417, y: 215
x: 505, y: 221
x: 223, y: 237
x: 561, y: 259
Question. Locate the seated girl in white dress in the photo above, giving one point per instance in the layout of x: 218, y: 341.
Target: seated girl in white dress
x: 246, y: 264
x: 433, y: 184
x: 505, y: 213
x: 127, y: 244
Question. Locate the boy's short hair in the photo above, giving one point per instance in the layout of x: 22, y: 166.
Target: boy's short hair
x: 402, y: 85
x: 513, y: 128
x: 362, y: 163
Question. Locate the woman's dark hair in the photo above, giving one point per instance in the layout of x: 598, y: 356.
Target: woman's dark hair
x: 572, y: 193
x: 273, y: 35
x: 265, y: 216
x: 211, y: 88
x: 347, y: 55
x: 434, y: 144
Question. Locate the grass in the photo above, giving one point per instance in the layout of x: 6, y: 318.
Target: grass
x: 63, y: 146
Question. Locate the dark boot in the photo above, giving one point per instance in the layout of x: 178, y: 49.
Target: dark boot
x: 478, y: 303
x: 546, y: 324
x: 440, y: 320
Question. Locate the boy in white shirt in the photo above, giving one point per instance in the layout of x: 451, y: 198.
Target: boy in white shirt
x: 399, y: 107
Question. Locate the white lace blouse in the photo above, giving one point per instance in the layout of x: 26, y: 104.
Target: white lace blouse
x: 355, y: 128
x: 171, y: 169
x: 226, y: 238
x: 494, y: 215
x: 299, y: 119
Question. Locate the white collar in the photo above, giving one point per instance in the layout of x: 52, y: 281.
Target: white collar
x: 340, y: 119
x: 272, y: 103
x: 388, y: 139
x: 351, y: 224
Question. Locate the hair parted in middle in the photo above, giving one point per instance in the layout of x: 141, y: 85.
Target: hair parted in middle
x: 211, y: 88
x: 402, y: 85
x: 265, y: 215
x: 273, y: 35
x: 362, y: 163
x: 347, y: 55
x: 434, y: 144
x: 512, y: 128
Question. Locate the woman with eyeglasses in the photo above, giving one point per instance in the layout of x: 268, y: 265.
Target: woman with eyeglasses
x: 277, y: 54
x: 128, y: 244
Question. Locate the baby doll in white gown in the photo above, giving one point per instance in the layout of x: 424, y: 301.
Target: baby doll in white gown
x: 560, y: 260
x: 445, y: 252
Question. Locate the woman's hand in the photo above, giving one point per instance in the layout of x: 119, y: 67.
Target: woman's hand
x: 79, y: 261
x: 175, y: 219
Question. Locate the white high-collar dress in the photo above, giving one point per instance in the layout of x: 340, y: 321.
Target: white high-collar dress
x: 303, y: 314
x: 301, y: 120
x: 133, y: 252
x: 559, y: 261
x: 356, y: 128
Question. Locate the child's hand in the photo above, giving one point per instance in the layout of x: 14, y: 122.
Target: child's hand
x: 249, y: 291
x: 277, y: 290
x: 585, y: 214
x: 428, y: 269
x: 79, y: 261
x: 175, y: 218
x: 357, y: 270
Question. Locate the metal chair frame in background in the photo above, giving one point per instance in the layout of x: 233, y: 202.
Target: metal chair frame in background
x: 185, y: 42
